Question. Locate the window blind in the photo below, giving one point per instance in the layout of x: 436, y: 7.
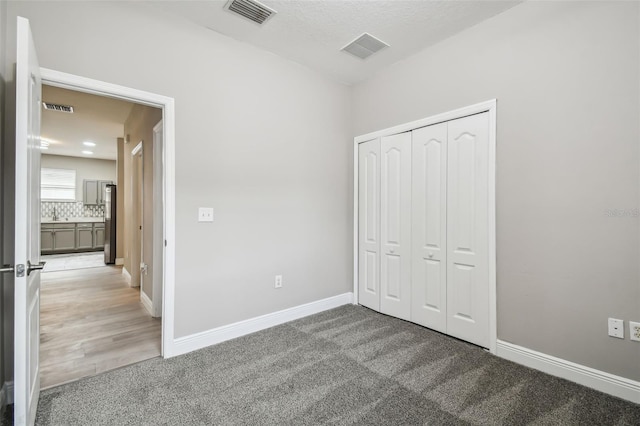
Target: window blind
x: 58, y: 184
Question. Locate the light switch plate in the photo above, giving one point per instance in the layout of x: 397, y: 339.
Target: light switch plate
x: 205, y: 214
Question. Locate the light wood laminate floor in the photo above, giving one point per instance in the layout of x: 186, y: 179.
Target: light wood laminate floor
x: 91, y: 321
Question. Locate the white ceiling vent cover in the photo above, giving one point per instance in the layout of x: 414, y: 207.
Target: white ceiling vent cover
x: 365, y: 46
x: 250, y: 9
x: 57, y: 107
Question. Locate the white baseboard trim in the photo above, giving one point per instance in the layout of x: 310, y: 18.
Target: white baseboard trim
x: 8, y: 391
x: 604, y: 382
x: 146, y: 302
x: 127, y: 275
x: 119, y: 261
x: 201, y: 340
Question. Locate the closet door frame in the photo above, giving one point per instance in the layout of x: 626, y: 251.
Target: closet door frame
x: 490, y: 107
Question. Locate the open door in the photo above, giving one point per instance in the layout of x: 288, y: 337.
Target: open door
x: 27, y: 236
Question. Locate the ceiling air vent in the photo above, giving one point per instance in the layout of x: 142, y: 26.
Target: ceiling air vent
x: 57, y: 107
x: 250, y: 9
x: 365, y: 46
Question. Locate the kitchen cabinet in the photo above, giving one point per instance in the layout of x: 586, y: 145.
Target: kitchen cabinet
x: 94, y: 191
x: 98, y: 236
x: 70, y: 237
x: 84, y: 233
x: 46, y: 239
x: 64, y: 237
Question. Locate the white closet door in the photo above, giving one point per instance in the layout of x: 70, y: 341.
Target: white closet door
x: 429, y: 227
x: 369, y: 224
x: 395, y: 212
x: 467, y: 229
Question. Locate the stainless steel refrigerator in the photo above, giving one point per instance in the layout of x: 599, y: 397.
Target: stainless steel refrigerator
x: 110, y: 206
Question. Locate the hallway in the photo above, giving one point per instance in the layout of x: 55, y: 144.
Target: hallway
x: 91, y: 321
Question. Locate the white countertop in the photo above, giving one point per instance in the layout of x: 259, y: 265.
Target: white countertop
x: 72, y: 220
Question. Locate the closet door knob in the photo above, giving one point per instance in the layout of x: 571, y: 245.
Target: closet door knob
x: 392, y: 250
x: 430, y: 255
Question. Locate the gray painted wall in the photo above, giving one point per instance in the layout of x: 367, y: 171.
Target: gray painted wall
x: 139, y: 128
x: 263, y: 140
x: 566, y: 79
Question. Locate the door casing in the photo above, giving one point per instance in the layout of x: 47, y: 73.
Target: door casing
x: 164, y: 237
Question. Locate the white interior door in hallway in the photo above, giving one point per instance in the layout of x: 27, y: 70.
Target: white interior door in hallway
x: 431, y: 261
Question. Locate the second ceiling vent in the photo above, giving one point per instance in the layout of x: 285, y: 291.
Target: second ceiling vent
x: 57, y: 107
x: 365, y: 46
x: 250, y: 9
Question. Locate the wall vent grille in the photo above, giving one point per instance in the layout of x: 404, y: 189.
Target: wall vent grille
x: 364, y: 46
x: 250, y: 9
x: 56, y: 107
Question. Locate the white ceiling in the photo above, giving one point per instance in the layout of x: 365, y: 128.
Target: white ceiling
x: 312, y: 32
x: 95, y: 119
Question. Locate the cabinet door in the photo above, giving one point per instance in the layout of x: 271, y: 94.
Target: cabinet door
x: 429, y: 227
x: 91, y: 192
x: 46, y: 240
x: 85, y: 237
x: 369, y: 224
x: 65, y: 239
x: 395, y: 225
x: 467, y: 229
x: 98, y: 238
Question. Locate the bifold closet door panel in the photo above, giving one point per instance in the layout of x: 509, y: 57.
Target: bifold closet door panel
x: 429, y: 227
x: 395, y: 215
x: 467, y: 229
x: 369, y: 224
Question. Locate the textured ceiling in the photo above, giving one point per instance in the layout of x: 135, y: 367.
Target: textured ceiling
x: 96, y: 119
x: 312, y: 32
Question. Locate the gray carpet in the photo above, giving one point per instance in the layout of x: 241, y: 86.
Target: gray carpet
x: 345, y: 366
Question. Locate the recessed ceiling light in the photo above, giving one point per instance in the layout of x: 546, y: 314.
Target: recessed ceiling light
x: 87, y: 152
x: 88, y: 143
x: 44, y: 147
x: 44, y: 143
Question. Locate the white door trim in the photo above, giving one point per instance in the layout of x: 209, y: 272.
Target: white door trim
x: 136, y: 238
x: 96, y: 87
x: 488, y: 106
x: 158, y: 194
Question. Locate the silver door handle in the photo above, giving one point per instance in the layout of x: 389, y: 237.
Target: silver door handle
x: 37, y: 267
x: 7, y: 268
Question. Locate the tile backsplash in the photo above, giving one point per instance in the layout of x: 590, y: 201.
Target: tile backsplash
x: 70, y: 209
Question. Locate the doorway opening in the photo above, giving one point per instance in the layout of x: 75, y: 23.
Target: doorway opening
x: 97, y: 288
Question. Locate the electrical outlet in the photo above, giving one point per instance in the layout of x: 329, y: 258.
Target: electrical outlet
x: 205, y: 214
x: 278, y: 281
x: 616, y: 328
x: 634, y: 331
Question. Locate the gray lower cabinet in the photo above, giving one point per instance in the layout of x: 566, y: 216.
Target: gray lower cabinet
x: 98, y: 236
x: 46, y: 239
x: 64, y: 239
x: 71, y: 237
x: 84, y: 232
